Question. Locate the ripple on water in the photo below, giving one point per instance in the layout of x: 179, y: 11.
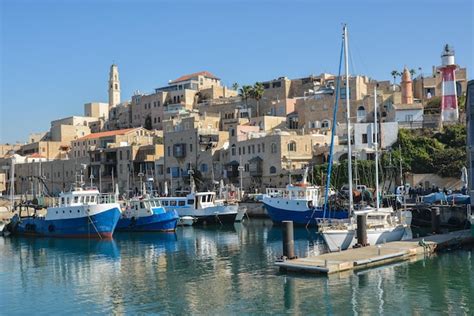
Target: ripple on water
x: 216, y: 271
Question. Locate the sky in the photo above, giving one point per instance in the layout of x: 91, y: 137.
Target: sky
x: 55, y: 55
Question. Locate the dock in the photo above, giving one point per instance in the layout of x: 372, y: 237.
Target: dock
x: 377, y: 255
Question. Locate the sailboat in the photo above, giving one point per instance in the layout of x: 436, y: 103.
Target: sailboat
x: 382, y: 224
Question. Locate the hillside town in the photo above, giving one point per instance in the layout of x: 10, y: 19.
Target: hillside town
x: 251, y: 137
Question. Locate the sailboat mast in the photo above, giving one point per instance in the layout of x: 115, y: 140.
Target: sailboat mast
x: 348, y: 120
x: 376, y: 145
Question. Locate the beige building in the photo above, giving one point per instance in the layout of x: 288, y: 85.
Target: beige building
x: 6, y: 149
x: 48, y: 149
x: 182, y: 94
x: 268, y: 158
x: 190, y: 144
x: 70, y: 128
x: 125, y: 166
x: 124, y: 137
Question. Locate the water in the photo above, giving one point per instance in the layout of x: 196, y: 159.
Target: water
x: 217, y: 271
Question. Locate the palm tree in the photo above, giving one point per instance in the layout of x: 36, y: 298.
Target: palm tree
x: 412, y: 72
x: 395, y: 74
x: 235, y: 86
x: 257, y: 94
x: 244, y: 93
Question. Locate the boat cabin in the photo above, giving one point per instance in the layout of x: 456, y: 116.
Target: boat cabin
x: 295, y: 192
x: 83, y: 197
x: 193, y: 200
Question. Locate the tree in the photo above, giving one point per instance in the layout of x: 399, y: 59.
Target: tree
x: 395, y: 74
x: 235, y: 86
x: 257, y: 93
x: 244, y: 93
x: 412, y: 72
x: 148, y: 124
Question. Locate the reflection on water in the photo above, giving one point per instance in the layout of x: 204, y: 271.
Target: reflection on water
x: 216, y: 270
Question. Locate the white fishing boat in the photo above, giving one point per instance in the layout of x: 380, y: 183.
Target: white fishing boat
x: 202, y: 206
x: 382, y: 224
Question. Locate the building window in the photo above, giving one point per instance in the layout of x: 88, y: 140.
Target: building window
x: 169, y: 151
x: 364, y: 138
x: 326, y: 124
x: 273, y: 170
x: 409, y: 118
x: 120, y: 154
x: 232, y: 132
x: 246, y: 167
x: 274, y: 148
x: 190, y: 148
x: 263, y: 147
x: 233, y: 150
x: 243, y: 150
x: 258, y: 148
x: 240, y: 151
x: 360, y: 113
x: 204, y: 167
x: 292, y: 146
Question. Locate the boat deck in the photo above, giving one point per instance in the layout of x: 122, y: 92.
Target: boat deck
x: 370, y: 256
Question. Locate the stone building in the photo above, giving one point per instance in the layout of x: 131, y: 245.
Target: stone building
x: 132, y: 136
x: 268, y: 158
x: 189, y: 144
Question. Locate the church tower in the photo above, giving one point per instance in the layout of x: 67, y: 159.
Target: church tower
x: 114, y: 86
x: 407, y: 87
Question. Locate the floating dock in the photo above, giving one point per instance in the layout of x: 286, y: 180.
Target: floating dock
x: 370, y: 256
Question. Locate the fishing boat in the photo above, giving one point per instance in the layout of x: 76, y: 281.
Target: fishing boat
x: 382, y: 224
x: 202, y: 206
x: 147, y: 214
x: 79, y: 213
x: 298, y: 202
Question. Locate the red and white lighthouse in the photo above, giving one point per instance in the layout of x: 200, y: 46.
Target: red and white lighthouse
x: 449, y: 100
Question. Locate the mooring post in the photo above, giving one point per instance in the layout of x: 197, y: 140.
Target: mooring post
x: 362, y: 230
x: 288, y: 240
x: 435, y: 220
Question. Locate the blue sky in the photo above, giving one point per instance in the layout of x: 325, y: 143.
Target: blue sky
x: 55, y: 55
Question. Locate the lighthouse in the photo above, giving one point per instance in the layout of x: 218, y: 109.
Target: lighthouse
x: 449, y: 101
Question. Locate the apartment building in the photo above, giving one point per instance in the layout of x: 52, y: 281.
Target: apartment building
x: 190, y: 144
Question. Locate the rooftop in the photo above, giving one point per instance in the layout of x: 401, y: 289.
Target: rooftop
x: 194, y: 75
x: 413, y: 106
x: 107, y: 134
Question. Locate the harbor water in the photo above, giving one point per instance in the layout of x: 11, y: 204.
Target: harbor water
x: 217, y: 270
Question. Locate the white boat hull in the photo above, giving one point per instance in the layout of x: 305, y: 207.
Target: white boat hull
x: 343, y: 239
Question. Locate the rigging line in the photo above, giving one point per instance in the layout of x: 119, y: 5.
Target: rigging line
x: 333, y: 132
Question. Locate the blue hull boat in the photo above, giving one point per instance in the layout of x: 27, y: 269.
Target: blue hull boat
x: 160, y: 220
x: 302, y: 217
x: 99, y: 225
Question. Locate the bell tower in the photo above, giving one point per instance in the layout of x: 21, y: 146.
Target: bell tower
x: 114, y: 86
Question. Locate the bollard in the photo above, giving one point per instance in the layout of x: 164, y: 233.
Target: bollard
x: 435, y: 220
x: 288, y: 242
x: 362, y: 230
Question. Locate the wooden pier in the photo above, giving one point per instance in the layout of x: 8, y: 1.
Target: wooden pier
x: 366, y: 257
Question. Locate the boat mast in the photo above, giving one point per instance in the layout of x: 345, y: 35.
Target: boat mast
x: 376, y: 145
x: 348, y: 119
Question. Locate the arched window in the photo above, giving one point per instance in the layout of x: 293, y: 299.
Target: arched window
x: 360, y: 113
x: 233, y: 150
x: 273, y: 170
x: 326, y: 124
x: 292, y: 146
x: 274, y: 148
